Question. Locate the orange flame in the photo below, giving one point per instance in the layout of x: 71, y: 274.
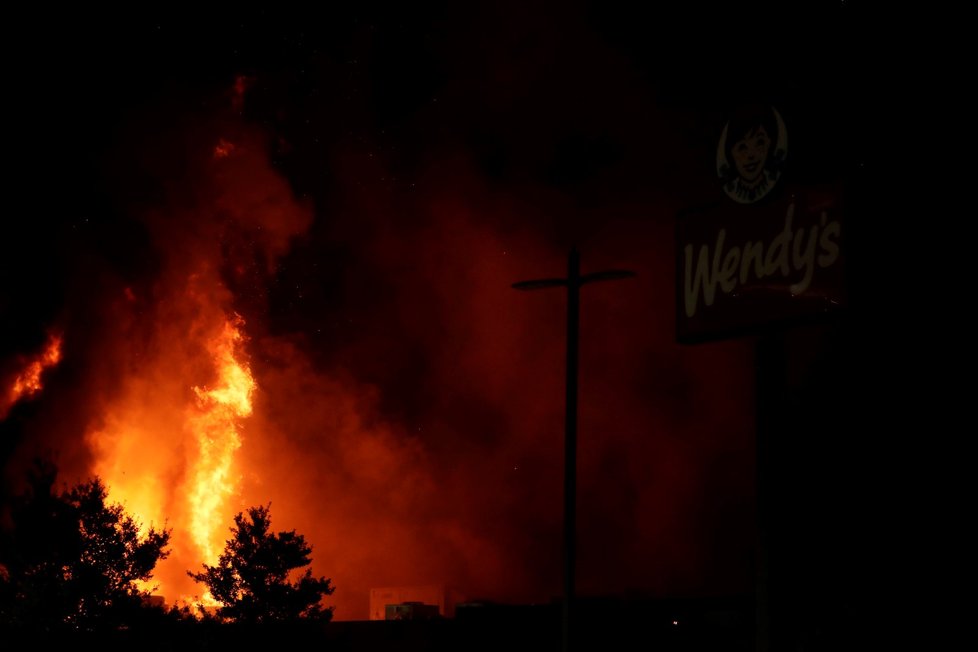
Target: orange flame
x: 28, y: 381
x: 169, y: 430
x: 216, y: 429
x: 166, y: 449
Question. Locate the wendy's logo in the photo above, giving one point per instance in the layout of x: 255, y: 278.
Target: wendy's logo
x: 751, y: 153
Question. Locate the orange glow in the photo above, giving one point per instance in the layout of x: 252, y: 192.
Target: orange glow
x: 223, y: 149
x: 28, y: 381
x: 241, y: 85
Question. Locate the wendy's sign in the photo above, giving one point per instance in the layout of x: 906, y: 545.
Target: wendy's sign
x: 767, y: 251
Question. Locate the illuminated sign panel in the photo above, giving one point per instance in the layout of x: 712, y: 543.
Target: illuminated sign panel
x: 766, y: 252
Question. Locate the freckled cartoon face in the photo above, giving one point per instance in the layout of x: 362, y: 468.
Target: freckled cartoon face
x: 750, y: 153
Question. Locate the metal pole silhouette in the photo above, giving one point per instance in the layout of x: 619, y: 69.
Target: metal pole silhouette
x: 573, y: 283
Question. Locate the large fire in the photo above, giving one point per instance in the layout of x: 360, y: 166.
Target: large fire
x: 175, y: 463
x: 172, y: 436
x: 167, y: 444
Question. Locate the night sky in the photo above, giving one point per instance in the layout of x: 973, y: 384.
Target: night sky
x: 395, y: 172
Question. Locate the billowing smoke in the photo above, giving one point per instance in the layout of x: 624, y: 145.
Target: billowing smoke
x: 405, y: 404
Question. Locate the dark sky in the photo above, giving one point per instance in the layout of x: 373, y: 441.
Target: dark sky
x: 593, y: 105
x: 442, y: 153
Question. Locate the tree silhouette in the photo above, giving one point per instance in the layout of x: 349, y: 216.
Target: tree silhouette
x: 69, y: 560
x: 251, y: 579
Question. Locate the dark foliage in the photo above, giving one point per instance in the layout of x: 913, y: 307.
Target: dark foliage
x: 70, y: 561
x: 252, y: 577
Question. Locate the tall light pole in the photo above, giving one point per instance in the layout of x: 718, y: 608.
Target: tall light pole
x: 573, y: 283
